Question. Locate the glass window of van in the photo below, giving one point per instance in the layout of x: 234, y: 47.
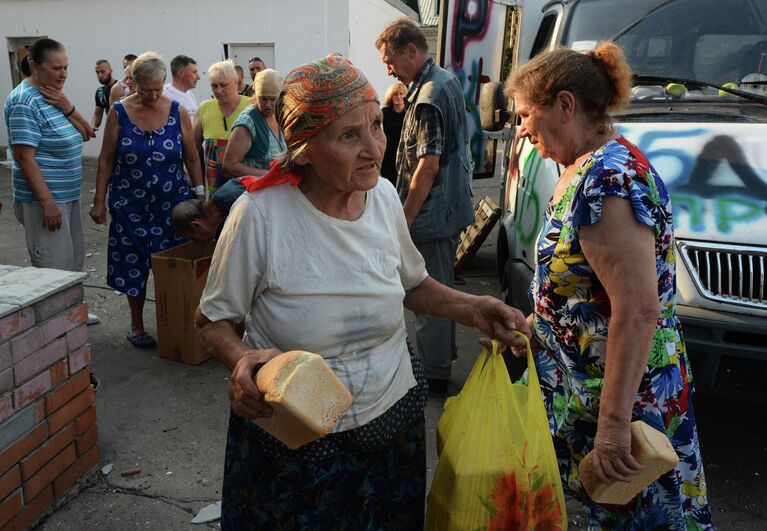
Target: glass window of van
x: 706, y: 40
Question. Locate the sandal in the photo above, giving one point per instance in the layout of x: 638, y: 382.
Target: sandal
x: 141, y: 340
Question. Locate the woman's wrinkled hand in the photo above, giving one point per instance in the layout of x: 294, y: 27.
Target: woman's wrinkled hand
x: 500, y: 321
x: 612, y: 457
x: 247, y: 400
x: 98, y: 213
x: 57, y: 98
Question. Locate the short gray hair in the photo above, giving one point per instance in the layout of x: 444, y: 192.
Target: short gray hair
x: 224, y: 69
x: 184, y: 213
x: 149, y: 66
x: 399, y: 33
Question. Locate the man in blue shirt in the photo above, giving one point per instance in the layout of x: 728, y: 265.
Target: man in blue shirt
x: 203, y: 221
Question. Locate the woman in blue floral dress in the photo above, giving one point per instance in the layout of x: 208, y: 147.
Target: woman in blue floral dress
x: 603, y: 293
x: 147, y: 141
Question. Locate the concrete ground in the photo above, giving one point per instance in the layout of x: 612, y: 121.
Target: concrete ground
x: 168, y: 420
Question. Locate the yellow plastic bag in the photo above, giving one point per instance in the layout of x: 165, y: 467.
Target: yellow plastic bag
x: 497, y: 469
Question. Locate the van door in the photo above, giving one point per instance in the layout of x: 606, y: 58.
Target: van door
x: 529, y: 184
x: 524, y: 159
x: 471, y: 35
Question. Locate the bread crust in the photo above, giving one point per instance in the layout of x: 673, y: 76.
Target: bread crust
x: 270, y: 373
x: 306, y: 397
x: 651, y: 448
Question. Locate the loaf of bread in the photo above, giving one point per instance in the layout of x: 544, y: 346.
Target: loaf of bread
x: 651, y: 448
x: 306, y: 396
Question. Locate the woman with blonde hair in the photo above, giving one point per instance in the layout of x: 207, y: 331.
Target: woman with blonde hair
x: 612, y: 350
x: 394, y: 107
x: 125, y: 87
x: 256, y: 137
x: 215, y: 119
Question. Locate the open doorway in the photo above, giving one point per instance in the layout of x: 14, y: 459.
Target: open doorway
x: 241, y: 53
x: 18, y: 48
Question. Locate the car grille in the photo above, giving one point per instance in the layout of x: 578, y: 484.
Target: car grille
x: 727, y: 273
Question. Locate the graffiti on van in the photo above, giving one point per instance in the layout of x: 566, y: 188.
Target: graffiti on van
x: 529, y: 219
x: 468, y: 44
x: 469, y: 24
x: 717, y: 180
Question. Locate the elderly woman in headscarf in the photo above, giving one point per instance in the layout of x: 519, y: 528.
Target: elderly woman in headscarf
x: 214, y: 120
x: 256, y: 137
x: 318, y: 253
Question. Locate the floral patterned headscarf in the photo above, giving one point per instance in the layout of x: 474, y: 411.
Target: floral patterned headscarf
x: 313, y: 96
x: 318, y: 93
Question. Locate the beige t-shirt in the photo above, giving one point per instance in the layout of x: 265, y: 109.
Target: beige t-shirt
x: 316, y: 283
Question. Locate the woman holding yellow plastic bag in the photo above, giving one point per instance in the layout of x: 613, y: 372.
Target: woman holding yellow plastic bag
x: 603, y: 293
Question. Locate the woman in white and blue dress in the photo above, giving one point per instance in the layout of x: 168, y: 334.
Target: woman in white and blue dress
x: 147, y: 141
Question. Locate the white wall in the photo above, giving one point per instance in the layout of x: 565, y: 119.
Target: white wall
x: 367, y: 19
x: 301, y: 30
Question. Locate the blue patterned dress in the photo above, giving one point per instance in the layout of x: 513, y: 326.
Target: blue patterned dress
x: 147, y: 182
x: 571, y: 318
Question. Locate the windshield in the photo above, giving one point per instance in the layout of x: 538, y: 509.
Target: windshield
x: 715, y: 41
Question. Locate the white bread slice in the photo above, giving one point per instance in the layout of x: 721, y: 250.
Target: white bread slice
x: 306, y: 397
x: 650, y: 448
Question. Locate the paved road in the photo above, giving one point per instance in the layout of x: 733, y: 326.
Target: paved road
x: 169, y: 419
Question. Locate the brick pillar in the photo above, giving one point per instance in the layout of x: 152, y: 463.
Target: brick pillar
x: 48, y: 431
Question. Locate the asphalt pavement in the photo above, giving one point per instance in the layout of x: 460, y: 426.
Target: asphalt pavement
x: 168, y: 420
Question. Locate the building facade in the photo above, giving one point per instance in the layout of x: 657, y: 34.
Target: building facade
x: 285, y: 33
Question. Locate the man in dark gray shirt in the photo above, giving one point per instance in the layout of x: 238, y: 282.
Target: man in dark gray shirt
x: 434, y: 175
x: 104, y: 74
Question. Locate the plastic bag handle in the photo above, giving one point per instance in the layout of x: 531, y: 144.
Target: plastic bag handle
x: 532, y: 374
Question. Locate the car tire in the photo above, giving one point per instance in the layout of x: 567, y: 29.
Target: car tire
x: 492, y: 99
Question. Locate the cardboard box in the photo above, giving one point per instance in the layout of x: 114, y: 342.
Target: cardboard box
x: 179, y: 278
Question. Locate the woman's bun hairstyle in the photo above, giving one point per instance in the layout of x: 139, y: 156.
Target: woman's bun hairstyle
x: 600, y: 79
x: 610, y: 56
x: 39, y: 52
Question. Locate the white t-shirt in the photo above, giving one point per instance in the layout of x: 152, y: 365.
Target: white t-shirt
x: 329, y: 286
x: 187, y: 99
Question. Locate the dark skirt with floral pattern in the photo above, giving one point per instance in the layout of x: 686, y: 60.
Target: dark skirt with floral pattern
x: 373, y: 477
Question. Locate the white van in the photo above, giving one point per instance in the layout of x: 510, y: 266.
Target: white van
x: 699, y: 113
